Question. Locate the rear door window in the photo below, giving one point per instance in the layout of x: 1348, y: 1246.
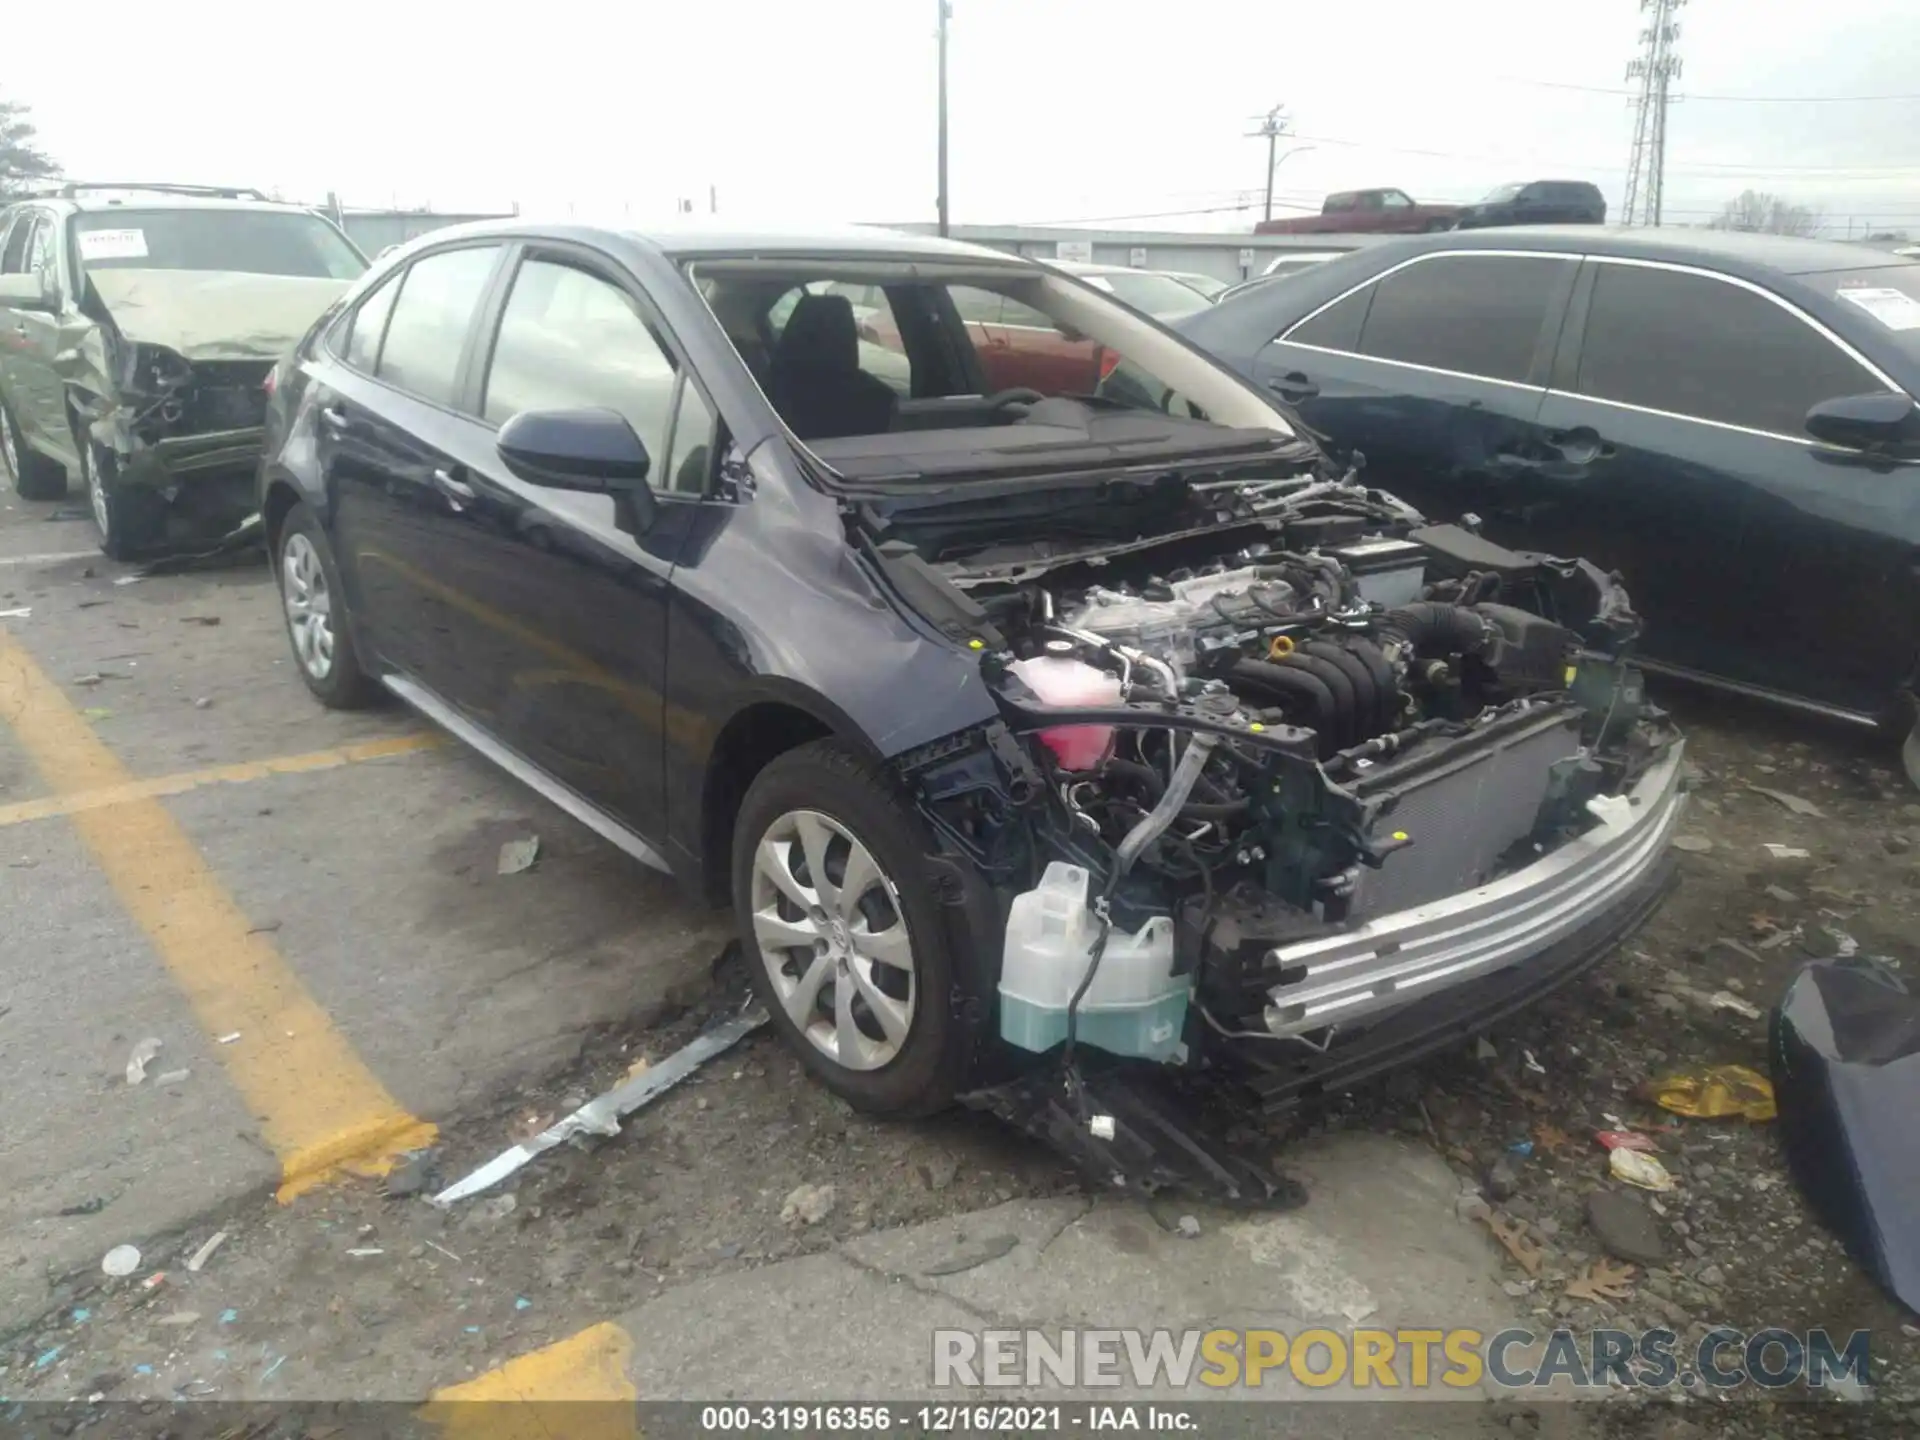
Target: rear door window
x: 569, y: 339
x: 1702, y: 347
x: 360, y: 346
x: 1478, y: 315
x: 428, y: 328
x: 13, y: 260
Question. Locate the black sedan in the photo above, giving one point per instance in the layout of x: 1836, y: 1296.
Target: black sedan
x: 1726, y: 419
x: 971, y: 702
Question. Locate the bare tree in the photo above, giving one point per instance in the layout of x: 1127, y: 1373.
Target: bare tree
x: 21, y: 161
x: 1767, y: 214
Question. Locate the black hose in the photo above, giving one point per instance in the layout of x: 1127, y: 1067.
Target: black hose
x: 1366, y: 695
x: 1345, y: 700
x: 1384, y: 683
x: 1434, y: 627
x: 1135, y: 770
x: 1295, y: 690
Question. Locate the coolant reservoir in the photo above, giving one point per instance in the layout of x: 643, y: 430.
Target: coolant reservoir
x: 1063, y: 680
x: 1136, y: 1005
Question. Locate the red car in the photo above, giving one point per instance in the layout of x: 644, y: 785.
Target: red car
x: 1354, y: 212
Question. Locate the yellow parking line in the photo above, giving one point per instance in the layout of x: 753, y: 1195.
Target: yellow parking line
x: 319, y: 1108
x: 574, y: 1389
x: 51, y: 805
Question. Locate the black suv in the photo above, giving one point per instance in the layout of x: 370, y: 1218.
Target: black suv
x: 1537, y: 202
x: 1005, y: 718
x: 142, y: 320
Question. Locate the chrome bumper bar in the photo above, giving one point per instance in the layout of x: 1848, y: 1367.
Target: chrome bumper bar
x: 1395, y: 959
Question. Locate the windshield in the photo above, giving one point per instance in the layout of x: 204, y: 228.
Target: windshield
x: 253, y: 242
x: 1889, y: 294
x: 1161, y: 296
x: 912, y: 350
x: 1501, y: 195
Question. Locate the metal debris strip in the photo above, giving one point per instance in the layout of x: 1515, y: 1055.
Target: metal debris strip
x: 602, y: 1114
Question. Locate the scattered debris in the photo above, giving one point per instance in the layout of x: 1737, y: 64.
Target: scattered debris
x: 1526, y: 1252
x: 987, y: 1250
x: 807, y: 1205
x: 205, y: 1252
x: 1692, y: 844
x: 202, y: 703
x: 267, y: 1374
x: 228, y: 1316
x: 1787, y: 852
x: 1625, y: 1140
x: 1552, y: 1139
x: 18, y: 613
x: 498, y: 1208
x: 446, y: 1252
x: 1792, y: 802
x: 93, y: 1205
x: 47, y: 1357
x: 142, y: 1056
x: 97, y: 712
x: 361, y: 1251
x: 172, y: 1077
x: 228, y: 1038
x: 1625, y: 1227
x: 199, y: 619
x: 1846, y: 1058
x: 180, y: 1318
x: 601, y: 1115
x: 1603, y: 1280
x: 1190, y: 1227
x: 1727, y: 1000
x: 128, y: 579
x: 518, y: 855
x: 121, y: 1260
x: 1532, y: 1064
x: 1636, y: 1167
x: 1713, y: 1093
x: 1483, y: 1049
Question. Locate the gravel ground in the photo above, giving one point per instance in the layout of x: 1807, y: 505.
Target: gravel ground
x: 698, y: 1182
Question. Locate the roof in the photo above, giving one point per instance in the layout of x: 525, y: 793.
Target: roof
x: 1725, y: 249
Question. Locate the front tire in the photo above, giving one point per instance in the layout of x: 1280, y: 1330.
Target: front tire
x: 128, y: 518
x: 33, y: 476
x: 839, y: 914
x: 314, y: 607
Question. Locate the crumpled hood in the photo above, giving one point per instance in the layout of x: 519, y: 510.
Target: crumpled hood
x: 214, y: 314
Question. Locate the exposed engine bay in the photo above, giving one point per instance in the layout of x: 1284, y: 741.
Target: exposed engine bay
x: 1249, y: 740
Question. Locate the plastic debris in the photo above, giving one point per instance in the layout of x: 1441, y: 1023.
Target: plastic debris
x: 267, y: 1374
x: 1101, y: 1126
x: 97, y: 712
x: 1625, y: 1140
x: 172, y: 1077
x: 1532, y: 1064
x: 1636, y: 1167
x: 47, y: 1357
x: 180, y: 1317
x: 521, y: 1302
x: 1792, y: 802
x: 142, y: 1056
x: 205, y: 1252
x: 1787, y: 852
x: 1713, y: 1093
x: 1727, y: 1000
x: 18, y: 613
x: 602, y: 1114
x: 361, y: 1250
x: 121, y: 1260
x: 227, y: 1317
x: 154, y: 1281
x: 1521, y: 1149
x: 518, y: 855
x: 228, y: 1038
x: 81, y: 1315
x: 1846, y: 1057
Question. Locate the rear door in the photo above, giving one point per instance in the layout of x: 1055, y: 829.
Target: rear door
x: 33, y: 339
x: 1754, y: 554
x: 1435, y: 372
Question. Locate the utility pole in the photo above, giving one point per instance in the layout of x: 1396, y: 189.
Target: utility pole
x: 1272, y: 126
x: 946, y: 13
x: 1656, y: 67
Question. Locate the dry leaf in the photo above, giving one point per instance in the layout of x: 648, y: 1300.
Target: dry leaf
x: 1603, y: 1279
x: 1552, y: 1138
x: 1513, y: 1235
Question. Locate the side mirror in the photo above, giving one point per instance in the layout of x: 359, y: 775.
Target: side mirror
x: 24, y: 292
x: 1883, y: 420
x: 594, y: 451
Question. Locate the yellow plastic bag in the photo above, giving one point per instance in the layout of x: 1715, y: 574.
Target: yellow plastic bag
x: 1714, y: 1093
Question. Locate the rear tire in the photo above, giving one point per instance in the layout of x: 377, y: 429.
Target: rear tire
x: 314, y: 606
x: 881, y: 1034
x: 34, y: 476
x: 128, y: 518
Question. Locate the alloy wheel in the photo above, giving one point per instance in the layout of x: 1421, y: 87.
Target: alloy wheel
x: 96, y: 491
x: 309, y: 603
x: 833, y: 940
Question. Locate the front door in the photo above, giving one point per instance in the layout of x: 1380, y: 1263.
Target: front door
x: 33, y: 340
x: 1435, y: 373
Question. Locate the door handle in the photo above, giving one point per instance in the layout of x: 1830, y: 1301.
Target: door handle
x: 452, y: 486
x: 1294, y: 385
x: 334, y: 418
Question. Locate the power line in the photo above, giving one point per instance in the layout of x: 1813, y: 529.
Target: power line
x: 1715, y: 99
x: 1699, y: 167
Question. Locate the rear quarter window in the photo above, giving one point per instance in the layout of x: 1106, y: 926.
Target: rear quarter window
x: 428, y: 329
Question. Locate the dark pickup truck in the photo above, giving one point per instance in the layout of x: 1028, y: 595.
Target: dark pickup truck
x: 1380, y: 212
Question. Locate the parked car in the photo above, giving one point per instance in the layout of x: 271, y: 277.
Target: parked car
x: 1161, y: 295
x: 1360, y: 212
x: 961, y: 697
x: 1725, y: 419
x: 1298, y: 260
x: 1209, y: 286
x: 144, y: 319
x: 1536, y: 202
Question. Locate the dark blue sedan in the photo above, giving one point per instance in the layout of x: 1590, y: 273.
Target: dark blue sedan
x: 1726, y: 419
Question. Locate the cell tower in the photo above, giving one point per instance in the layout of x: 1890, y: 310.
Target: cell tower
x: 1656, y: 67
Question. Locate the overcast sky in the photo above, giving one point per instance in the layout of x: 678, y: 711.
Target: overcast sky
x: 1060, y: 109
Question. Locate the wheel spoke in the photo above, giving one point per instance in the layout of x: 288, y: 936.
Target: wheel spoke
x: 802, y: 1001
x: 814, y: 839
x: 862, y: 874
x: 892, y: 1014
x: 890, y: 947
x: 772, y: 862
x: 780, y: 934
x: 846, y: 1030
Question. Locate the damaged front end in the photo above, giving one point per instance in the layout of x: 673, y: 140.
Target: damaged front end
x: 1295, y: 791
